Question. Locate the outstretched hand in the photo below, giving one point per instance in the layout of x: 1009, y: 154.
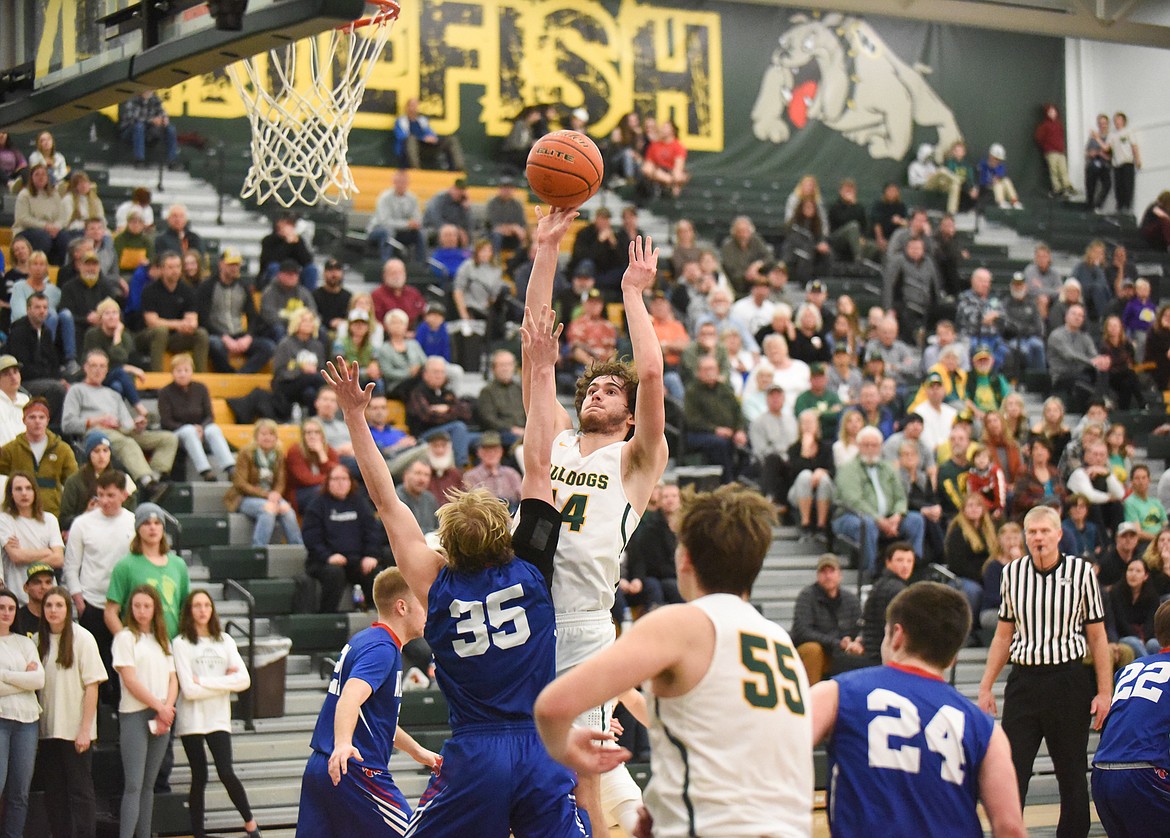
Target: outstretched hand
x: 585, y: 755
x: 639, y: 276
x: 552, y: 226
x: 344, y: 380
x: 539, y: 340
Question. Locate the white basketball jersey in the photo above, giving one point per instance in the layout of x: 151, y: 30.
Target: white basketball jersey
x: 597, y: 520
x: 733, y: 757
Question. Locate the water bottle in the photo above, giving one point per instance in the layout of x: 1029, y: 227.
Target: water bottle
x: 359, y: 598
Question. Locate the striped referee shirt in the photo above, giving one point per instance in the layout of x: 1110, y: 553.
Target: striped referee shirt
x: 1049, y: 609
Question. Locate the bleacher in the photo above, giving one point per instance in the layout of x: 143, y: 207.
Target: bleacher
x: 216, y: 544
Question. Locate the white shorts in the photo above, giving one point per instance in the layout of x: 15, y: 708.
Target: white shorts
x: 580, y: 636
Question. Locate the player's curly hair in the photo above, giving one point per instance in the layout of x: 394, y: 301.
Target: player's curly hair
x: 475, y: 530
x: 727, y: 532
x: 619, y: 368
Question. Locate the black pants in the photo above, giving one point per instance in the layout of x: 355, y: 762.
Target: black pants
x: 68, y: 785
x: 1123, y: 177
x: 220, y: 745
x: 334, y: 579
x: 93, y: 620
x: 1051, y: 703
x: 1097, y: 178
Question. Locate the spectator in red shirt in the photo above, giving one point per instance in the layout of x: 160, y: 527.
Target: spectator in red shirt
x: 1049, y: 136
x: 395, y: 293
x: 589, y: 338
x: 665, y: 160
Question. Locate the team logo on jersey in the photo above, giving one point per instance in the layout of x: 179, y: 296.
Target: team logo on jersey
x: 371, y: 772
x: 560, y: 474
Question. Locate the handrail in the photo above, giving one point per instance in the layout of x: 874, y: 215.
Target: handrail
x: 230, y: 587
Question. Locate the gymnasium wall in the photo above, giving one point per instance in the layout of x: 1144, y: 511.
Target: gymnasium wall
x: 1105, y: 78
x: 753, y: 88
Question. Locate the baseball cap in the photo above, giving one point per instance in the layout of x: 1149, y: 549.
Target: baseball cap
x: 1128, y: 527
x: 982, y: 352
x: 816, y: 368
x: 39, y: 568
x: 460, y: 183
x: 93, y: 439
x: 775, y: 388
x: 828, y: 560
x: 581, y: 114
x: 910, y: 418
x: 91, y: 257
x: 441, y: 436
x: 333, y: 264
x: 37, y: 402
x: 593, y: 294
x: 841, y: 349
x: 1018, y: 277
x: 7, y: 362
x: 359, y: 314
x: 231, y: 256
x: 290, y: 266
x: 436, y: 308
x: 585, y: 268
x: 934, y: 378
x: 997, y: 151
x: 491, y: 439
x: 816, y: 287
x: 774, y: 266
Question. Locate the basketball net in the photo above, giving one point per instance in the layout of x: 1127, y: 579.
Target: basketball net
x: 300, y: 137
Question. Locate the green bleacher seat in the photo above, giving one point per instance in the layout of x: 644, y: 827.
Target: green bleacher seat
x: 178, y: 499
x: 314, y: 632
x: 235, y: 561
x: 203, y: 531
x: 273, y: 596
x: 1158, y: 447
x: 423, y: 708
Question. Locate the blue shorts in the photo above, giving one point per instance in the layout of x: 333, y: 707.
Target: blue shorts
x: 1133, y: 802
x: 365, y: 802
x: 496, y: 780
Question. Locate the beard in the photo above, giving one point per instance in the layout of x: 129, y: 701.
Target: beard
x: 601, y: 423
x: 869, y: 461
x: 440, y: 465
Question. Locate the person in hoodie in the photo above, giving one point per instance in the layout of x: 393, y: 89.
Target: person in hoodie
x: 1049, y: 136
x: 343, y: 540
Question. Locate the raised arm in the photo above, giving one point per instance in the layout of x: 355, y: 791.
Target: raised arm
x: 419, y: 563
x: 540, y: 340
x: 645, y: 456
x: 550, y: 231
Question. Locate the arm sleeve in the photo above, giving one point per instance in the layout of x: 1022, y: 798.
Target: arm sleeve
x: 237, y: 681
x: 181, y: 652
x: 536, y: 536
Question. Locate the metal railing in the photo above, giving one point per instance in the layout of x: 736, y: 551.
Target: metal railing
x: 234, y: 590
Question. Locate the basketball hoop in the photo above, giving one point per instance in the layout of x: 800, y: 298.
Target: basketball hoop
x: 300, y: 138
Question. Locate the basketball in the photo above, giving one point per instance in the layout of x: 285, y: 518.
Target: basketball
x: 564, y: 168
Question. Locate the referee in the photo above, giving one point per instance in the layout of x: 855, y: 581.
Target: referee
x: 1051, y: 603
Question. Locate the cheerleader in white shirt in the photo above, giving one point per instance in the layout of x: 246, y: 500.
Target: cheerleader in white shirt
x: 210, y: 669
x: 142, y: 659
x: 21, y: 675
x: 73, y: 671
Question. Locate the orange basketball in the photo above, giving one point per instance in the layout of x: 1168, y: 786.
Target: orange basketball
x: 565, y: 168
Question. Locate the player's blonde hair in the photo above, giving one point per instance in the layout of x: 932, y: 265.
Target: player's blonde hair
x: 389, y: 586
x: 726, y: 532
x: 475, y: 530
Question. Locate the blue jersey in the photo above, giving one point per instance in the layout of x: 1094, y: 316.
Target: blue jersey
x: 1137, y: 728
x: 493, y: 632
x: 375, y: 656
x: 905, y: 753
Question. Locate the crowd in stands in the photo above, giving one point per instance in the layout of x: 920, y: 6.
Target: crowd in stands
x: 897, y: 430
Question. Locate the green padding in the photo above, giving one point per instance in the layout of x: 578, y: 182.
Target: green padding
x: 273, y: 596
x: 423, y: 708
x: 235, y: 562
x: 203, y: 531
x: 314, y: 632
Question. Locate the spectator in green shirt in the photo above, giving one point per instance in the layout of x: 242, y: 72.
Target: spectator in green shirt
x: 1147, y: 512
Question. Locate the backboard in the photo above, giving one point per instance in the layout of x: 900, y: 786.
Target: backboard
x: 91, y: 54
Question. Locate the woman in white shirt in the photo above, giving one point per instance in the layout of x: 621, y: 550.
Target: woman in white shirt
x: 28, y: 534
x: 21, y: 676
x: 142, y: 659
x: 210, y: 669
x: 73, y: 670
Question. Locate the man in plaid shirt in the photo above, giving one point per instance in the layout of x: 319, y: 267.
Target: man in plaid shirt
x: 144, y: 120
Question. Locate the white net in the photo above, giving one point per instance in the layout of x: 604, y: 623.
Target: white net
x: 301, y: 100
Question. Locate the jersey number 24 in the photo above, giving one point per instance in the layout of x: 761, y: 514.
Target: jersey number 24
x: 492, y: 622
x: 943, y: 734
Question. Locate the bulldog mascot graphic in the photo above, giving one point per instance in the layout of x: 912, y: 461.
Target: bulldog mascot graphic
x: 839, y: 70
